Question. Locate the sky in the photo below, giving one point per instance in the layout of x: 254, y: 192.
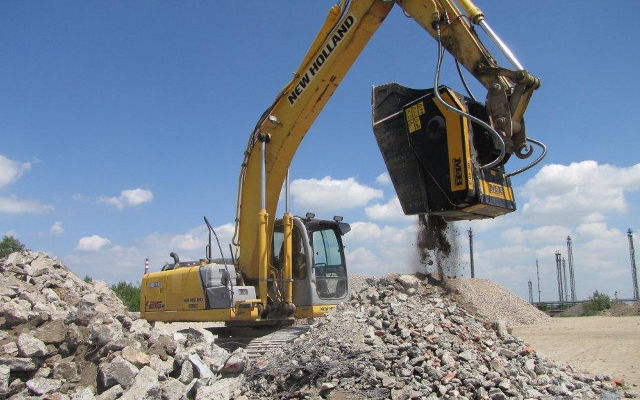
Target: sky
x: 123, y: 123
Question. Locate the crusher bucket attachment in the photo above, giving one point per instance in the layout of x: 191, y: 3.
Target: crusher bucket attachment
x: 434, y: 155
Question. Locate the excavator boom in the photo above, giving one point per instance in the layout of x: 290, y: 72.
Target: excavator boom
x: 346, y: 31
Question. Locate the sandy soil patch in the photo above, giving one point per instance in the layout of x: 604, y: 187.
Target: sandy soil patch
x: 598, y: 345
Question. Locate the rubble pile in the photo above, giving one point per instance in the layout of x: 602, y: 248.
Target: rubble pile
x: 493, y: 302
x: 620, y: 309
x: 63, y: 338
x: 402, y: 338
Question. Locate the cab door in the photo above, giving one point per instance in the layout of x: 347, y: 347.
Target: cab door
x: 328, y: 264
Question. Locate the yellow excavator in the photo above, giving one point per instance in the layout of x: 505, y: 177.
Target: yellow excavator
x: 445, y: 153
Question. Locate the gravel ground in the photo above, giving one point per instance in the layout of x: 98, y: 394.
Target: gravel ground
x: 574, y: 311
x: 494, y: 302
x: 600, y: 345
x: 620, y: 309
x: 359, y: 282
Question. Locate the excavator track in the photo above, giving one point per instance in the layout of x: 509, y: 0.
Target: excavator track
x: 258, y: 347
x: 257, y: 342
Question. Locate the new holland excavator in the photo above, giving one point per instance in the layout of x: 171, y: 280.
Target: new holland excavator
x: 445, y: 153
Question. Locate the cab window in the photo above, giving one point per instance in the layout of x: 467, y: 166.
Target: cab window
x: 328, y: 264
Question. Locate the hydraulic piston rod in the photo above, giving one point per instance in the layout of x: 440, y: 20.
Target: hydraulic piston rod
x: 477, y: 17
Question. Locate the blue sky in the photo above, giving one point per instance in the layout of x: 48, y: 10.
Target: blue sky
x: 124, y: 123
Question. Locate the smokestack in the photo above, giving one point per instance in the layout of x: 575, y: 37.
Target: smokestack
x: 473, y: 272
x: 538, y: 275
x: 572, y: 278
x: 564, y: 277
x: 634, y: 271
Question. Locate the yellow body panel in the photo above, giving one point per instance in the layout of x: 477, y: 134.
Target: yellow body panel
x: 495, y: 190
x: 457, y: 143
x: 185, y: 301
x: 185, y: 293
x: 314, y: 311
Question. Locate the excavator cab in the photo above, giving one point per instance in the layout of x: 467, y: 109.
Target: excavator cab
x: 319, y: 266
x: 436, y: 158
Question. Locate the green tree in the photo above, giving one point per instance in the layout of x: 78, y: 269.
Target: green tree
x: 596, y: 303
x: 87, y: 278
x: 9, y: 245
x: 129, y: 294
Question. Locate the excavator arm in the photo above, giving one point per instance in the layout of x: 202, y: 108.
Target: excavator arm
x: 281, y: 128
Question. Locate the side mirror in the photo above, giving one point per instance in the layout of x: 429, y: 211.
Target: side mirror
x: 344, y: 228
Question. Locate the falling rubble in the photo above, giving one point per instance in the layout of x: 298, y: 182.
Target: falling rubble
x: 399, y: 337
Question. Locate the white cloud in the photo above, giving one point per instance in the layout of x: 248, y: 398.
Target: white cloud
x: 586, y: 200
x: 577, y: 191
x: 57, y: 228
x: 127, y: 262
x: 13, y: 205
x: 389, y: 211
x: 331, y: 194
x: 540, y: 235
x: 11, y: 171
x: 129, y: 198
x: 381, y: 249
x: 196, y: 239
x: 124, y: 263
x: 383, y: 178
x: 92, y: 243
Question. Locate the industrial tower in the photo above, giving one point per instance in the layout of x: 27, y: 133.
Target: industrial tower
x: 559, y: 276
x: 473, y: 272
x: 634, y: 272
x: 572, y: 278
x: 538, y: 275
x: 564, y: 279
x: 530, y: 291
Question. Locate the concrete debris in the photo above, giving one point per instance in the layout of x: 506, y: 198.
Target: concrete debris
x: 424, y: 346
x: 112, y: 393
x: 235, y: 363
x: 135, y: 356
x: 204, y: 372
x: 398, y: 337
x: 28, y: 346
x: 4, y: 380
x: 63, y: 338
x: 145, y: 386
x: 42, y: 386
x: 118, y: 371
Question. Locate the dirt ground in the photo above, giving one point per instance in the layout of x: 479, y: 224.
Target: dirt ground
x: 598, y: 345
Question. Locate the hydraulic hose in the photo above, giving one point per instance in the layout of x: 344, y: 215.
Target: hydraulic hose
x: 478, y: 121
